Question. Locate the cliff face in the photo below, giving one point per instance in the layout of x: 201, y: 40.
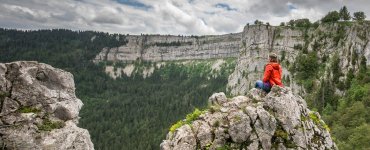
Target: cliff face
x: 257, y: 43
x: 278, y: 120
x: 337, y: 46
x: 39, y: 109
x: 167, y: 48
x: 341, y: 46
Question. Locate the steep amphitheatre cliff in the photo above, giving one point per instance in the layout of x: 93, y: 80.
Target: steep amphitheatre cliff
x: 39, y: 108
x: 348, y: 42
x: 166, y: 48
x: 279, y: 120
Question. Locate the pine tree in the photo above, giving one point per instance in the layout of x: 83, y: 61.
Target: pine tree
x: 344, y: 14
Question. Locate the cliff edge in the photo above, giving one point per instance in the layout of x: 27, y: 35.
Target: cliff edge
x: 278, y: 120
x: 39, y: 108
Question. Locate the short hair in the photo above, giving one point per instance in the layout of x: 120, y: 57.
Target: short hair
x: 273, y: 57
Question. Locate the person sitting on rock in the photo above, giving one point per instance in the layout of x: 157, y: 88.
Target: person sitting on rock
x: 272, y: 75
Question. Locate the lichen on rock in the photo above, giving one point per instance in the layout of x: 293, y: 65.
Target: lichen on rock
x: 278, y: 120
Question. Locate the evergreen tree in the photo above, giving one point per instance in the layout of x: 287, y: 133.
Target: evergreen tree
x: 291, y: 23
x: 332, y: 16
x: 344, y: 14
x: 257, y: 22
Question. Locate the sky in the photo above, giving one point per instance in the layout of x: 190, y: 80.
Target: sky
x: 175, y: 17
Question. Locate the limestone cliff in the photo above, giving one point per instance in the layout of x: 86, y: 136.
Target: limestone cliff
x: 349, y: 42
x: 345, y: 43
x: 278, y: 120
x: 167, y: 48
x: 39, y: 108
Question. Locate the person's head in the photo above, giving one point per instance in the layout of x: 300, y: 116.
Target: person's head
x: 273, y: 57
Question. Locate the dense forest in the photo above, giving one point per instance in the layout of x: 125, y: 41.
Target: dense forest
x: 129, y: 112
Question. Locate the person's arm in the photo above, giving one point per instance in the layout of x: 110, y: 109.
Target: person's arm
x: 267, y: 74
x: 281, y: 71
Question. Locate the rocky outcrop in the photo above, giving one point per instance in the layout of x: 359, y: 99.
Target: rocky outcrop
x: 39, y: 108
x: 349, y: 42
x: 278, y: 120
x: 156, y: 48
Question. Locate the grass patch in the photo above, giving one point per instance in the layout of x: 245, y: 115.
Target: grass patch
x: 318, y: 121
x: 28, y: 109
x: 48, y: 125
x: 189, y: 119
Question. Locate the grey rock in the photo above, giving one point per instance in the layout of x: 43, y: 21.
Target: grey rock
x: 265, y: 127
x: 183, y: 138
x: 253, y: 145
x: 220, y: 138
x: 280, y: 120
x: 32, y: 94
x: 203, y: 133
x: 9, y: 106
x: 240, y: 128
x: 217, y: 99
x: 63, y: 113
x: 69, y: 137
x: 167, y: 48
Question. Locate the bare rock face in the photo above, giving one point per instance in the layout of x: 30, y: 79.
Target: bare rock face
x: 258, y: 41
x: 278, y: 120
x: 39, y: 108
x: 156, y: 48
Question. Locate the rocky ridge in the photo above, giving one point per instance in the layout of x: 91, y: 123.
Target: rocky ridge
x: 39, y: 108
x: 278, y: 120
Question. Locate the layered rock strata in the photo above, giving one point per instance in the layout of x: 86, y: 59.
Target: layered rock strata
x: 156, y: 48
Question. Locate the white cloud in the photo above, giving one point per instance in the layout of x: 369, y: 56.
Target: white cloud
x: 194, y: 17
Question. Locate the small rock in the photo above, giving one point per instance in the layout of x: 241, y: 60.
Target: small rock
x: 9, y: 106
x: 217, y: 99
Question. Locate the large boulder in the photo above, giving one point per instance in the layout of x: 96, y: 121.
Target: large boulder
x: 278, y: 120
x: 39, y: 108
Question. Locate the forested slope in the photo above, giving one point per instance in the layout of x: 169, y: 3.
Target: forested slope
x: 129, y: 112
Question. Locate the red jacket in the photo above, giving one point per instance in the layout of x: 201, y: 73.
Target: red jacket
x: 273, y: 73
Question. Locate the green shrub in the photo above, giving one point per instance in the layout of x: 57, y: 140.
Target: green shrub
x: 176, y: 125
x: 318, y: 121
x: 189, y: 119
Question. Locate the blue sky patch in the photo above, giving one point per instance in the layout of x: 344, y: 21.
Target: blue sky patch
x: 291, y: 6
x: 225, y: 6
x: 134, y: 3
